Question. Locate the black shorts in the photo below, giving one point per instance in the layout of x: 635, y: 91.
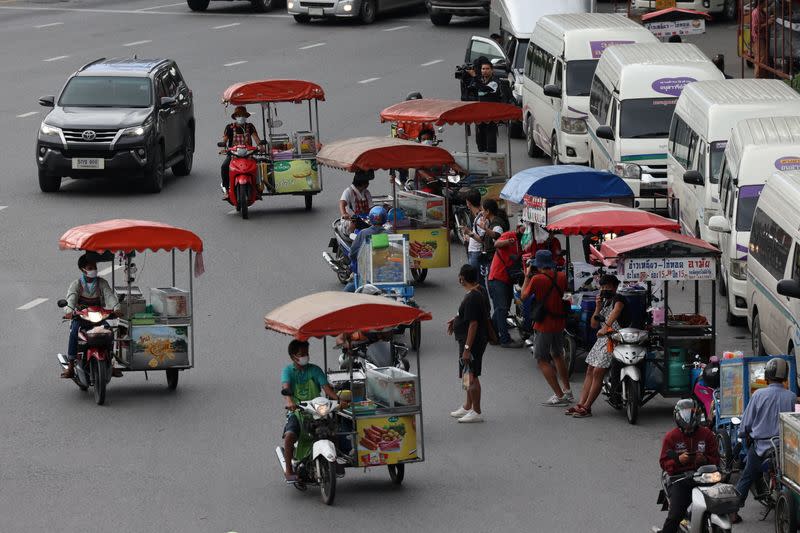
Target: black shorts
x: 292, y: 425
x: 548, y: 345
x: 475, y: 363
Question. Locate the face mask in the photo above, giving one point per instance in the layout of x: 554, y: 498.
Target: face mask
x: 606, y: 294
x: 90, y: 274
x: 428, y: 142
x: 241, y: 121
x: 302, y: 361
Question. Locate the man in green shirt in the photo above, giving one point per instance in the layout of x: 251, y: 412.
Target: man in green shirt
x: 305, y: 382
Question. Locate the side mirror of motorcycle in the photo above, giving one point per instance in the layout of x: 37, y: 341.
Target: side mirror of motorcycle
x: 61, y: 303
x: 221, y: 144
x: 286, y: 392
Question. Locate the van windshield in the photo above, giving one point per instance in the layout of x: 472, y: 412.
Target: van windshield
x: 717, y: 156
x: 645, y: 118
x: 748, y: 197
x: 579, y: 76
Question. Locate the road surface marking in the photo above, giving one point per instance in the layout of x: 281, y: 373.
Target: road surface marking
x: 137, y: 43
x: 3, y: 207
x: 369, y: 80
x: 54, y: 58
x: 28, y: 114
x: 31, y: 304
x: 40, y: 26
x: 396, y: 28
x: 165, y: 5
x: 234, y: 63
x: 429, y: 63
x: 131, y: 11
x: 306, y: 47
x: 231, y: 25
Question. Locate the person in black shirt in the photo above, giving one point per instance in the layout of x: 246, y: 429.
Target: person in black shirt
x: 237, y: 132
x: 470, y: 330
x: 485, y: 87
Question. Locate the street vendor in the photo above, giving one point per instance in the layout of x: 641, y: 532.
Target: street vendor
x: 376, y: 218
x: 300, y: 382
x: 238, y: 132
x: 356, y: 200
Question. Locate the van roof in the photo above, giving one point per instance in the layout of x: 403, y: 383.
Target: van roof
x: 768, y: 131
x: 615, y: 58
x: 552, y: 31
x: 704, y: 102
x: 777, y: 193
x: 522, y: 15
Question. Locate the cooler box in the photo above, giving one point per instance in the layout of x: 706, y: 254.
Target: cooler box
x: 425, y: 207
x: 171, y: 302
x: 392, y: 387
x: 482, y: 163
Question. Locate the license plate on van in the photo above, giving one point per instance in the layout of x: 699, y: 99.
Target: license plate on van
x: 88, y: 163
x: 315, y: 12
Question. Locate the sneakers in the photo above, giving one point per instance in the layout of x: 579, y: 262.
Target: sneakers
x: 568, y: 396
x: 512, y: 344
x: 471, y: 417
x: 458, y: 413
x: 555, y: 401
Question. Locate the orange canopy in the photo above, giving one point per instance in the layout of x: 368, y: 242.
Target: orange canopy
x: 656, y: 243
x: 442, y: 112
x: 122, y: 235
x: 256, y: 92
x: 376, y: 153
x: 332, y: 313
x: 581, y: 218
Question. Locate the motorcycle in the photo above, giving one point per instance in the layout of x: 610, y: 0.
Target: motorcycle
x: 340, y: 245
x: 93, y: 365
x: 705, y: 381
x: 712, y: 499
x: 314, y: 459
x: 622, y: 385
x: 244, y: 187
x: 375, y: 354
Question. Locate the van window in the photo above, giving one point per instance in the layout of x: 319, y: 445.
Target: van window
x: 645, y: 118
x: 480, y: 48
x: 539, y: 66
x: 548, y: 68
x: 769, y: 244
x: 746, y: 206
x: 599, y: 100
x: 518, y: 58
x: 612, y: 115
x: 529, y: 61
x: 579, y: 76
x: 717, y: 156
x: 701, y: 159
x: 558, y: 80
x: 681, y: 137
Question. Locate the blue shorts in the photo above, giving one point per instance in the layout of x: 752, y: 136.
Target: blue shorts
x: 292, y: 425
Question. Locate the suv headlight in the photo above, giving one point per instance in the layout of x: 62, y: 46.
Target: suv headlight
x: 46, y: 130
x: 739, y: 269
x: 575, y: 126
x: 137, y: 131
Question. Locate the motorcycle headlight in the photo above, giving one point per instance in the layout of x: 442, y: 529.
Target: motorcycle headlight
x: 574, y: 126
x: 241, y: 152
x: 322, y: 409
x: 94, y: 317
x: 630, y: 337
x: 710, y: 477
x: 739, y: 269
x: 46, y: 130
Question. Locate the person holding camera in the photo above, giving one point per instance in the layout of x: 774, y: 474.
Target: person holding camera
x: 484, y: 85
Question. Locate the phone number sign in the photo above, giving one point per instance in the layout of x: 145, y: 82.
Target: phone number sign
x: 668, y: 269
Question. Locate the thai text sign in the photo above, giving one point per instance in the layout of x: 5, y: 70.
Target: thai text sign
x: 534, y: 210
x: 668, y: 269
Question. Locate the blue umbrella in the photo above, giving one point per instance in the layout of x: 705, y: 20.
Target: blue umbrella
x: 560, y: 184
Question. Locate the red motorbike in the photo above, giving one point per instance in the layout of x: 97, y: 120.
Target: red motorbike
x: 243, y: 185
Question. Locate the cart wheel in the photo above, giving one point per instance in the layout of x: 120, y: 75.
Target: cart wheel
x: 570, y: 354
x: 243, y: 197
x: 326, y: 476
x: 419, y: 274
x: 633, y: 397
x: 309, y: 201
x: 397, y: 473
x: 172, y: 378
x: 415, y: 332
x: 785, y: 513
x: 99, y: 380
x: 724, y: 447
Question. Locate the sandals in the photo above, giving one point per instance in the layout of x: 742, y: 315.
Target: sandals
x: 582, y: 412
x: 572, y: 410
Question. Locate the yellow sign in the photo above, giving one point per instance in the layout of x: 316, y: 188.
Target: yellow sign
x: 296, y: 175
x: 386, y: 440
x: 665, y: 4
x: 428, y: 247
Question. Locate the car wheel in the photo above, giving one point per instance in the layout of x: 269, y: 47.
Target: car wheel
x: 154, y: 177
x: 758, y: 347
x: 367, y: 14
x: 48, y: 183
x: 554, y: 149
x: 261, y: 6
x: 302, y: 19
x: 185, y: 166
x: 198, y: 5
x: 441, y: 19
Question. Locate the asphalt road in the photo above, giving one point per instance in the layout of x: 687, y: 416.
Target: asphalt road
x: 201, y: 459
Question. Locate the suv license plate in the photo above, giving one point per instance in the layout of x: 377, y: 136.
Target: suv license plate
x: 315, y: 12
x: 88, y: 163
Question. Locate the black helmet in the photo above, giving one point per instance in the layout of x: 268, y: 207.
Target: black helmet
x: 414, y: 96
x: 776, y: 370
x: 363, y: 176
x: 686, y: 416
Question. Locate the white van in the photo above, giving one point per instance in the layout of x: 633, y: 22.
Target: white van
x: 757, y: 147
x: 561, y: 59
x: 705, y: 114
x: 726, y: 8
x: 631, y: 101
x: 774, y: 256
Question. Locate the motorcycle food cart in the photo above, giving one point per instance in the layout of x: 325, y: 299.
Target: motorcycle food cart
x: 158, y: 335
x: 787, y: 508
x: 425, y: 221
x: 383, y: 425
x: 290, y: 165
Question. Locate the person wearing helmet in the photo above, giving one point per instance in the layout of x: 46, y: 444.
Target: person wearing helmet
x: 356, y: 200
x: 377, y: 218
x: 683, y: 449
x: 238, y: 132
x: 761, y: 421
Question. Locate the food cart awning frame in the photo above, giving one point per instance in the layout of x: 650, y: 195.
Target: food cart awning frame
x: 581, y: 218
x: 333, y: 313
x: 124, y: 235
x: 550, y: 182
x: 674, y: 13
x: 381, y: 153
x: 656, y: 243
x: 440, y: 112
x: 257, y: 92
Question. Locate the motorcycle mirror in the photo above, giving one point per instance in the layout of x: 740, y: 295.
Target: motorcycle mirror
x: 61, y: 303
x: 221, y: 144
x: 286, y: 392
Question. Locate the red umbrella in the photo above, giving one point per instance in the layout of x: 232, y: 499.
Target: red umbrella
x: 439, y: 112
x: 581, y: 218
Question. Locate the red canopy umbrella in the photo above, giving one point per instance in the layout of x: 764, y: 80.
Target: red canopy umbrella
x: 655, y: 242
x: 256, y: 92
x: 381, y: 153
x: 580, y: 218
x: 441, y: 112
x: 121, y: 235
x: 332, y: 313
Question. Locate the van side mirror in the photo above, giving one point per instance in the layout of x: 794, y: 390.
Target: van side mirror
x: 789, y: 288
x: 719, y: 223
x: 605, y: 132
x: 47, y: 101
x: 693, y: 177
x: 553, y: 91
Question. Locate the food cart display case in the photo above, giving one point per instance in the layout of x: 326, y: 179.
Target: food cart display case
x: 788, y: 504
x: 158, y: 336
x: 740, y: 377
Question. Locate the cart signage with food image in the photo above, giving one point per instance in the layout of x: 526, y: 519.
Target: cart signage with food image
x: 295, y: 175
x: 386, y: 440
x: 790, y: 447
x: 731, y: 389
x: 668, y: 268
x: 160, y: 346
x: 428, y: 248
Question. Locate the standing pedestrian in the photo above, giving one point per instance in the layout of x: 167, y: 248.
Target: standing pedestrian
x: 493, y: 223
x: 501, y: 286
x: 475, y: 233
x: 760, y: 21
x: 550, y: 320
x: 471, y: 330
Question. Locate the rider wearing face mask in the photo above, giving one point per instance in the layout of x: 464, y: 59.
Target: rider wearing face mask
x: 86, y: 291
x: 305, y: 382
x: 238, y: 132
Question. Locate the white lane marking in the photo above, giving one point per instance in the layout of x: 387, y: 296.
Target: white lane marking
x: 396, y: 28
x: 28, y: 114
x: 136, y: 43
x: 429, y: 63
x: 231, y: 25
x: 159, y: 7
x: 54, y: 58
x: 3, y: 207
x: 308, y: 46
x: 234, y: 63
x: 369, y: 80
x: 134, y: 12
x: 31, y: 304
x: 40, y: 26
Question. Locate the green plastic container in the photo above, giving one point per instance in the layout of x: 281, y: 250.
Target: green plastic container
x: 677, y: 378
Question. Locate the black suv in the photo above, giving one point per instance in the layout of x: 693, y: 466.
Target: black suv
x: 441, y: 11
x: 123, y: 117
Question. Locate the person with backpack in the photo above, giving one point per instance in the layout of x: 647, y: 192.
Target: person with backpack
x: 492, y: 224
x: 609, y: 315
x: 506, y: 266
x: 549, y: 317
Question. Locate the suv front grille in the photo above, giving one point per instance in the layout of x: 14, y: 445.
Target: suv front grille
x: 316, y: 4
x: 657, y: 171
x: 89, y: 135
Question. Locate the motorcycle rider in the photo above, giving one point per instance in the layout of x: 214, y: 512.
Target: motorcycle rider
x: 238, y: 132
x: 86, y: 291
x: 356, y: 200
x: 683, y: 449
x: 377, y: 218
x: 761, y: 421
x: 305, y: 382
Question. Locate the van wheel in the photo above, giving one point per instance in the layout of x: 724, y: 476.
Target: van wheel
x: 758, y: 347
x: 554, y: 149
x: 723, y: 290
x: 367, y: 14
x: 441, y: 19
x: 533, y: 150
